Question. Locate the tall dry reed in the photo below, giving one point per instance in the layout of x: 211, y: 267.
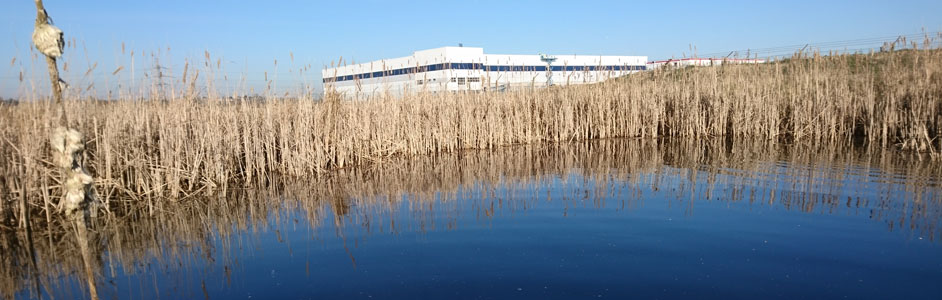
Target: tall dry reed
x: 167, y: 149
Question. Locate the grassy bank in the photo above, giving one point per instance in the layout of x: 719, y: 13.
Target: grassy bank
x: 147, y: 151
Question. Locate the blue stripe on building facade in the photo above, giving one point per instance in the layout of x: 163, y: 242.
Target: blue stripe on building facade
x: 478, y: 66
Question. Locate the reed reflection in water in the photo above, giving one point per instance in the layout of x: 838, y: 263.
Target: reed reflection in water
x: 221, y: 247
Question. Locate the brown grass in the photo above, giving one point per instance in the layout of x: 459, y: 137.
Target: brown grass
x: 143, y: 152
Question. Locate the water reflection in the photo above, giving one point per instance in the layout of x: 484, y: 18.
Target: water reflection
x: 196, y: 238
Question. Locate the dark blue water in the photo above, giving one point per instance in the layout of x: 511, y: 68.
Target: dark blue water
x: 655, y: 226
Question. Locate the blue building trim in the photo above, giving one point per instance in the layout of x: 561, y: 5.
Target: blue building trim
x: 479, y: 66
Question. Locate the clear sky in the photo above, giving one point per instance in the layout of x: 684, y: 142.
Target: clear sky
x: 249, y: 36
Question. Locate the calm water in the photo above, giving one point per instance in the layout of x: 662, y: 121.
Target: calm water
x: 607, y: 219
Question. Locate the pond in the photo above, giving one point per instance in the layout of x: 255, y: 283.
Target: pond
x: 622, y: 218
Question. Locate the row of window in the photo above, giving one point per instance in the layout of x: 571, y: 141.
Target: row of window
x: 458, y: 80
x: 421, y: 81
x: 463, y: 80
x: 478, y: 66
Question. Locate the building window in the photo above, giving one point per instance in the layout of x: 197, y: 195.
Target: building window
x: 419, y: 82
x: 474, y: 79
x: 452, y: 79
x: 461, y: 80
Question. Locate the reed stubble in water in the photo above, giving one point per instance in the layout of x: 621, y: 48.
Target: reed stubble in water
x: 189, y: 238
x: 144, y: 152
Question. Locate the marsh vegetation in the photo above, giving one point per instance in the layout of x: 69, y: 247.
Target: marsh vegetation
x: 186, y: 178
x: 145, y: 152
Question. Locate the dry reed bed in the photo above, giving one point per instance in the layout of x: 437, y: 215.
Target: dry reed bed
x: 145, y: 151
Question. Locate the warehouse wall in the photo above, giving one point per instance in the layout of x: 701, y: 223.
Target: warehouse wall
x: 468, y: 68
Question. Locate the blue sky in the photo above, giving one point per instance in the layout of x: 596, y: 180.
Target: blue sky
x: 249, y: 36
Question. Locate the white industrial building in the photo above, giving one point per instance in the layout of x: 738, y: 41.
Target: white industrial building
x: 701, y: 62
x: 470, y: 69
